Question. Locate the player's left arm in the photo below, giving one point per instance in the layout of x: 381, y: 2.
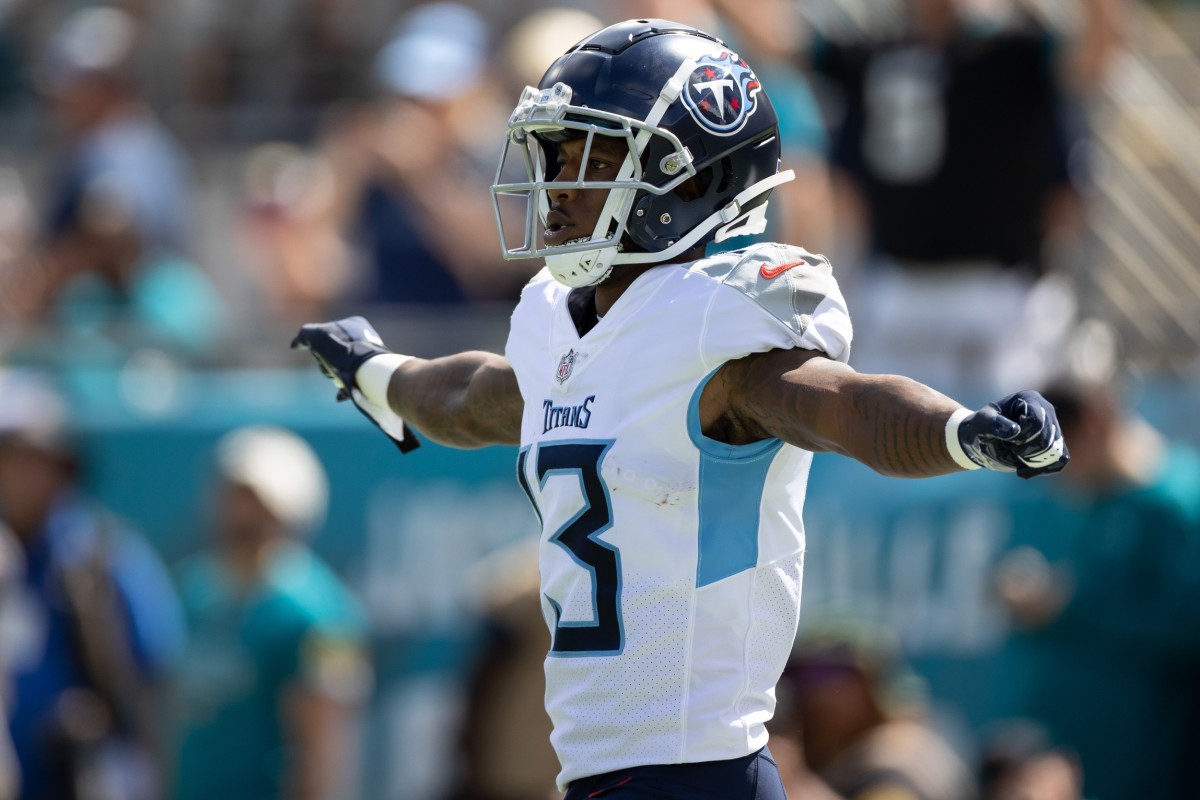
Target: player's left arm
x: 893, y: 424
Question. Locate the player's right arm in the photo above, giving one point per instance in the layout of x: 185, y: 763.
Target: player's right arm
x: 464, y: 400
x: 469, y: 399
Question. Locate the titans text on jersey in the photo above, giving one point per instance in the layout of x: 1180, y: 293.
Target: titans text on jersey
x: 573, y: 416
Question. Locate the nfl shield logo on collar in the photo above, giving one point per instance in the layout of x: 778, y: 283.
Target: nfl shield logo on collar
x: 565, y: 365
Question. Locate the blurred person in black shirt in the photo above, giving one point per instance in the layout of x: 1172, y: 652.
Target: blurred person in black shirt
x: 953, y: 137
x: 393, y: 206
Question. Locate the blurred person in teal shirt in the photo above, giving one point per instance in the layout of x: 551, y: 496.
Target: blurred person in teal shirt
x: 1103, y: 588
x: 276, y: 666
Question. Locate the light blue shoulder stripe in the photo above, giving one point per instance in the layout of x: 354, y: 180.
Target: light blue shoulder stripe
x: 732, y: 478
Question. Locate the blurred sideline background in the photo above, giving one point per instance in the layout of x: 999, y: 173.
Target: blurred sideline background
x: 295, y: 160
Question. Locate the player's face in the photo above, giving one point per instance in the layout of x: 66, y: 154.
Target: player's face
x: 574, y: 212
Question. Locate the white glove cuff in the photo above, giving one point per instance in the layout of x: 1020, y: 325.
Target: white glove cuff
x: 952, y: 441
x: 374, y: 375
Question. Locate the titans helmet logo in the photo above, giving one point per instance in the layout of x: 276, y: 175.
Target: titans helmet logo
x: 721, y: 93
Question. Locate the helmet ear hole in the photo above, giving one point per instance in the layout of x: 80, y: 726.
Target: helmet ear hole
x: 696, y: 186
x: 726, y: 175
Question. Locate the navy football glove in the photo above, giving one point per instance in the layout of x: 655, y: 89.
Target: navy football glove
x: 340, y: 348
x: 1017, y: 434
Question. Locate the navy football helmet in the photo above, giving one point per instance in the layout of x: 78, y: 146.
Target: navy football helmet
x: 686, y: 107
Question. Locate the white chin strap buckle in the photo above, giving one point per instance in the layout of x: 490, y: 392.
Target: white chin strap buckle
x: 580, y: 269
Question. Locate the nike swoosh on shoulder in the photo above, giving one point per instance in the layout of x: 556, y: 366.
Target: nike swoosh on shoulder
x: 775, y: 272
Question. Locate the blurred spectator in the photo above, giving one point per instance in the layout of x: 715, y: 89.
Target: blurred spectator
x: 227, y: 46
x: 276, y: 667
x: 505, y: 741
x: 953, y: 142
x: 426, y: 219
x: 272, y: 64
x: 1018, y: 761
x: 18, y: 230
x: 112, y: 262
x: 394, y: 205
x: 93, y: 625
x: 856, y: 715
x: 771, y: 33
x: 1103, y: 585
x: 532, y: 44
x: 20, y: 23
x: 291, y: 217
x: 11, y: 568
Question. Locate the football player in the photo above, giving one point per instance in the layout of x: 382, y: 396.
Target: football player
x: 666, y: 405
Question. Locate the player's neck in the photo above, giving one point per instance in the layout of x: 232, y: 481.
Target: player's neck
x: 620, y: 279
x: 623, y: 276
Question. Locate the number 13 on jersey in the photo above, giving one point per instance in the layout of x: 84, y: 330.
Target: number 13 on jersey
x: 579, y: 535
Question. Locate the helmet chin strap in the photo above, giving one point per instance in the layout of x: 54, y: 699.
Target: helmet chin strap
x: 589, y: 267
x: 581, y: 268
x: 734, y: 222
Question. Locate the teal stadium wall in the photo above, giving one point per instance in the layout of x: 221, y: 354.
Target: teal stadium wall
x: 407, y: 531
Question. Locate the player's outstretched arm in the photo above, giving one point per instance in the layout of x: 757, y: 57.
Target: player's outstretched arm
x: 464, y: 400
x: 893, y: 424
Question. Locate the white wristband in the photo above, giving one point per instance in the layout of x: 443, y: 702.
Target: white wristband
x: 952, y: 441
x: 374, y: 375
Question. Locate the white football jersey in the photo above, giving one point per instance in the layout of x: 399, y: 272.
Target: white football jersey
x: 670, y: 563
